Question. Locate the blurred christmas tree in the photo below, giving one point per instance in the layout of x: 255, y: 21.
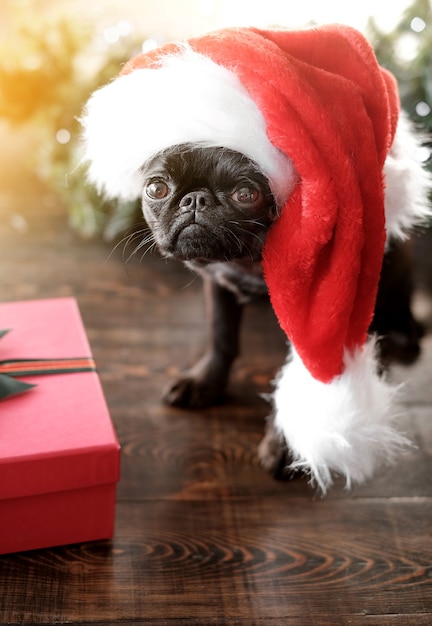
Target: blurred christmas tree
x: 49, y: 65
x: 407, y: 52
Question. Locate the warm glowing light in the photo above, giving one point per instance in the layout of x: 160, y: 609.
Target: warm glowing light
x: 149, y: 44
x: 63, y: 136
x: 207, y: 7
x: 293, y: 14
x: 418, y: 25
x: 423, y: 154
x: 422, y: 109
x: 111, y: 34
x: 407, y: 47
x: 19, y: 223
x: 124, y: 28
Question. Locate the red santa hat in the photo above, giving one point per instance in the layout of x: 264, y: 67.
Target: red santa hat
x: 318, y: 115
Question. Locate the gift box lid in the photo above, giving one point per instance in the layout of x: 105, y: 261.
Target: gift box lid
x: 58, y: 435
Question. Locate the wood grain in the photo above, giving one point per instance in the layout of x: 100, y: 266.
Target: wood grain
x: 261, y: 558
x: 203, y: 535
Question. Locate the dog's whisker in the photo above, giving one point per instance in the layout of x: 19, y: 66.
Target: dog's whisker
x: 149, y: 239
x: 125, y: 241
x: 253, y: 234
x: 133, y: 239
x: 144, y: 242
x: 147, y: 250
x: 246, y: 221
x: 234, y: 237
x: 191, y: 282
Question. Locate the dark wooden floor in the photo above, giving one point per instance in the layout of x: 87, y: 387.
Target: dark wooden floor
x: 203, y: 535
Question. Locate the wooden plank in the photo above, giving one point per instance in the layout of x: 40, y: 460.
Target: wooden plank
x: 234, y: 559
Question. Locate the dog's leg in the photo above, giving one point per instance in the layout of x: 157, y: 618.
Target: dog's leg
x: 204, y: 383
x: 398, y: 331
x: 272, y: 451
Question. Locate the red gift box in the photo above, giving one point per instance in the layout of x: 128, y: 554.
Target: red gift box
x: 59, y: 454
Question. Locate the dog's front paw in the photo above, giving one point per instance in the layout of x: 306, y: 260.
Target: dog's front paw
x: 192, y: 392
x: 201, y: 386
x: 272, y: 453
x: 275, y: 456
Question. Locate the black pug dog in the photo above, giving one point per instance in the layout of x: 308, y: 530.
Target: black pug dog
x: 211, y: 208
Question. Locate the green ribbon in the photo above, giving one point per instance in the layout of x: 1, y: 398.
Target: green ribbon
x: 10, y: 370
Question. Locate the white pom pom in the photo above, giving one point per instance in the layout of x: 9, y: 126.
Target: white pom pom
x: 345, y: 427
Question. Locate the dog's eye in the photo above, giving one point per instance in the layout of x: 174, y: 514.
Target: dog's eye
x: 247, y: 195
x: 157, y: 190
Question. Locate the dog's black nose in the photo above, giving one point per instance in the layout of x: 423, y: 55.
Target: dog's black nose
x: 195, y: 201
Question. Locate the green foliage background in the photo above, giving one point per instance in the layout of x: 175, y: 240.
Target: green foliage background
x: 48, y: 68
x: 45, y: 80
x: 413, y: 71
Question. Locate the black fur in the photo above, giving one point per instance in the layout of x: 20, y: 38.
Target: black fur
x: 197, y: 218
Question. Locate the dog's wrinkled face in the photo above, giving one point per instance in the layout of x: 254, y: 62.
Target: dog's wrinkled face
x: 206, y: 204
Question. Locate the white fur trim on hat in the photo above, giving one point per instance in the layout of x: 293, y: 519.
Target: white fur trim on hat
x: 345, y: 427
x: 407, y: 182
x: 188, y: 98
